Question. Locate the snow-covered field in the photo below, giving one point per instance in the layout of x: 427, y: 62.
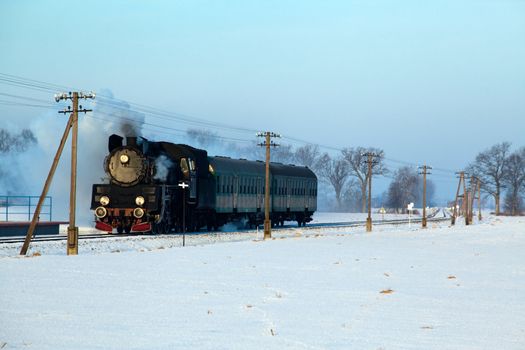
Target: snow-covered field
x: 395, y: 288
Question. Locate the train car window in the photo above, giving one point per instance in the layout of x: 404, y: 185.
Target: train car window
x: 192, y: 164
x: 218, y: 184
x: 185, y: 168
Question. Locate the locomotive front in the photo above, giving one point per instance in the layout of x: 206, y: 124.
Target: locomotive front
x: 131, y: 201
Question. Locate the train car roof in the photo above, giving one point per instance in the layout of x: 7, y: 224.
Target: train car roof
x: 256, y: 168
x: 291, y: 170
x: 236, y: 166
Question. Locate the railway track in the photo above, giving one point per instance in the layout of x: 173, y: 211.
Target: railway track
x: 343, y: 224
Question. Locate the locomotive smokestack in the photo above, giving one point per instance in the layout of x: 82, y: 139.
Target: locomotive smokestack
x: 131, y: 141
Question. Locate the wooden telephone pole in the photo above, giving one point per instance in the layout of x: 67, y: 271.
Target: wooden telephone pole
x: 479, y: 199
x: 424, y: 172
x: 72, y: 124
x: 471, y: 196
x: 370, y: 161
x: 458, y: 196
x: 268, y: 135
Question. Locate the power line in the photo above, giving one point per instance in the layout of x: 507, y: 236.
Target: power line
x: 115, y: 103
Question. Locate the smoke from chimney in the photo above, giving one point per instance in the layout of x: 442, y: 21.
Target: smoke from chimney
x: 27, y: 171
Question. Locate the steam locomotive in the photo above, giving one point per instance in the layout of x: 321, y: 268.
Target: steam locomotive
x: 160, y: 186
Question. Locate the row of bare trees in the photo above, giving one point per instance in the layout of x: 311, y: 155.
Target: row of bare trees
x: 346, y: 173
x: 350, y: 170
x: 501, y: 170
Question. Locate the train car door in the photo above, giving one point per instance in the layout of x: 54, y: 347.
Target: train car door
x: 306, y: 189
x: 235, y: 192
x: 259, y: 193
x: 288, y: 192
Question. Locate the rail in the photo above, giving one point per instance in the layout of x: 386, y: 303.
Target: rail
x: 22, y: 208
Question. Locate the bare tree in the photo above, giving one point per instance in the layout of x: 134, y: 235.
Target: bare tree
x: 16, y: 143
x: 335, y: 172
x: 404, y: 188
x: 356, y: 159
x: 489, y: 167
x: 283, y: 154
x: 5, y: 141
x: 514, y: 180
x: 308, y: 155
x: 352, y: 196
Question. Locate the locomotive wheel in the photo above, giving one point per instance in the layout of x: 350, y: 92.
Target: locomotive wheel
x: 159, y: 229
x: 127, y: 229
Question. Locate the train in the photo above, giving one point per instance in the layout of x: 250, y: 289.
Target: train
x: 159, y: 187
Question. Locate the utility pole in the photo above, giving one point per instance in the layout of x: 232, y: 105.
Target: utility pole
x: 424, y: 172
x: 479, y: 199
x: 268, y: 135
x: 72, y: 231
x: 370, y: 161
x: 461, y: 181
x: 472, y: 195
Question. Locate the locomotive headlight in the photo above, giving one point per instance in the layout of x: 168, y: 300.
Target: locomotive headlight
x: 100, y: 212
x: 104, y: 200
x: 124, y: 158
x: 138, y: 213
x: 139, y: 201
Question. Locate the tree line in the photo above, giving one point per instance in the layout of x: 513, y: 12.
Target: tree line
x: 346, y: 172
x: 501, y: 171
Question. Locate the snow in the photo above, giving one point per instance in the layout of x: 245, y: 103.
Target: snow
x: 457, y: 287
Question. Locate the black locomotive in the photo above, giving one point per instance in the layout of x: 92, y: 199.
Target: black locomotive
x: 153, y: 183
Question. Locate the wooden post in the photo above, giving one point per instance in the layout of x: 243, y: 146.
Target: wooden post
x: 267, y: 143
x: 370, y: 156
x: 36, y: 214
x: 424, y: 173
x: 479, y: 200
x: 455, y: 212
x: 267, y: 221
x: 465, y: 202
x: 72, y: 230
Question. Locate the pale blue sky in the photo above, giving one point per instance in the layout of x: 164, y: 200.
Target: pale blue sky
x: 427, y: 81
